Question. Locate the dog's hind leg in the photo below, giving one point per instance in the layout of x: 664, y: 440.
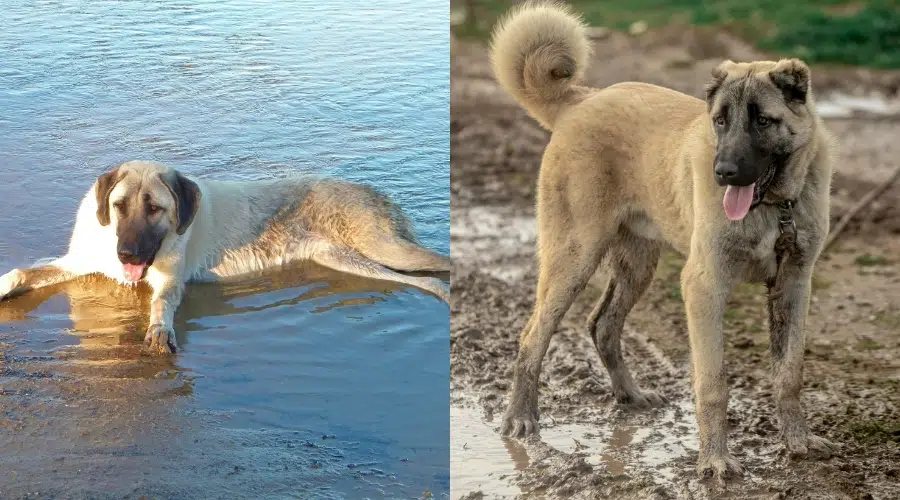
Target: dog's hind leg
x: 631, y: 262
x: 350, y: 261
x: 568, y: 258
x: 403, y: 255
x: 19, y: 281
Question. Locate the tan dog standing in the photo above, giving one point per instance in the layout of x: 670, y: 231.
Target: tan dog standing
x: 634, y: 166
x: 143, y: 220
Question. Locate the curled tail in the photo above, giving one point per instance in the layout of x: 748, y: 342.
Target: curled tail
x: 539, y: 51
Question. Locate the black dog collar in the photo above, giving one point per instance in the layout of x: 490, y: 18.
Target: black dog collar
x: 786, y: 216
x: 786, y: 243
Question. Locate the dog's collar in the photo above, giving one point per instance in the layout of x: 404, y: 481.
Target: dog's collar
x: 786, y: 216
x: 786, y: 243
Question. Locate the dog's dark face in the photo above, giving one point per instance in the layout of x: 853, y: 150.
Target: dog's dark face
x: 760, y: 116
x: 146, y: 203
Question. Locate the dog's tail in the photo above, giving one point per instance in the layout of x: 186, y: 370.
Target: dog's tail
x: 402, y: 255
x: 539, y: 52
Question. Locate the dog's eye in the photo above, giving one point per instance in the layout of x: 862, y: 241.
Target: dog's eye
x: 762, y: 121
x: 720, y: 120
x: 119, y: 205
x: 153, y: 209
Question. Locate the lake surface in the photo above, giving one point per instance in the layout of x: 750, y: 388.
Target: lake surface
x: 296, y: 383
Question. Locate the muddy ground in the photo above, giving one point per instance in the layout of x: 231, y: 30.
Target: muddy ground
x: 589, y: 448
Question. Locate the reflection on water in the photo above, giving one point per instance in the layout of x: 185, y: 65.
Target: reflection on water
x: 297, y: 383
x: 482, y: 460
x: 254, y: 389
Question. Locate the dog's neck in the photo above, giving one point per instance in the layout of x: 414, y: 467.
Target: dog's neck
x: 806, y: 160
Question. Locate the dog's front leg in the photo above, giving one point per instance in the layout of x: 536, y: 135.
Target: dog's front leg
x: 19, y: 281
x: 788, y: 307
x: 705, y: 289
x: 167, y: 294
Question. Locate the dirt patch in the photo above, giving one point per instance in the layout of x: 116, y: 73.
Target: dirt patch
x: 588, y: 447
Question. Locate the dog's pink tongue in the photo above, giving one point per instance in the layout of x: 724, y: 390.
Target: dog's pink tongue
x: 737, y: 201
x: 134, y: 272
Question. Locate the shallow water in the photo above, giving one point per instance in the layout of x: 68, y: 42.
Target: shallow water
x: 295, y: 383
x: 484, y: 461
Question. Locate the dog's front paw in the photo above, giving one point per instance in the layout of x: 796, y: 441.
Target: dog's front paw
x: 519, y: 421
x: 10, y: 283
x: 808, y: 445
x: 160, y: 339
x: 719, y: 466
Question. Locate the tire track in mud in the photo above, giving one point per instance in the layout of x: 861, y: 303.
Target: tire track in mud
x: 589, y: 448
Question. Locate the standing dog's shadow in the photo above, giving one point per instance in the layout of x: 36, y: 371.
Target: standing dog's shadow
x: 105, y: 313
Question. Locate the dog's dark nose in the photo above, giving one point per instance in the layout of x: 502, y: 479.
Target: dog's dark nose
x: 726, y: 172
x: 128, y: 256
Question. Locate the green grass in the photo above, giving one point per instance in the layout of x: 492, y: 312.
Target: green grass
x: 869, y: 345
x: 889, y: 320
x: 875, y: 431
x: 820, y: 282
x: 669, y: 270
x: 868, y: 260
x: 864, y: 33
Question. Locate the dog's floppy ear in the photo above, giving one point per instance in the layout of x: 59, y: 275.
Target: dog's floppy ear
x: 719, y: 73
x: 105, y: 185
x: 791, y: 76
x: 187, y: 198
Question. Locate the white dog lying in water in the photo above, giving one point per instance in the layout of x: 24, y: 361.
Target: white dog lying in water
x: 146, y: 221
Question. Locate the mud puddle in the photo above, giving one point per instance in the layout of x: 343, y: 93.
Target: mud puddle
x: 840, y: 105
x: 483, y: 461
x: 498, y: 240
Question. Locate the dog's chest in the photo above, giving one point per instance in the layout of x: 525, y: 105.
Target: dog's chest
x: 755, y: 253
x: 764, y: 250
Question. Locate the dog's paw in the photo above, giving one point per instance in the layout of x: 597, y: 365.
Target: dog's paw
x: 10, y: 283
x: 720, y: 467
x: 518, y: 422
x: 641, y: 400
x: 160, y: 339
x: 518, y: 426
x: 809, y: 446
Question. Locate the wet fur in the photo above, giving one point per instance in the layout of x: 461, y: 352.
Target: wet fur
x: 630, y: 168
x: 209, y: 230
